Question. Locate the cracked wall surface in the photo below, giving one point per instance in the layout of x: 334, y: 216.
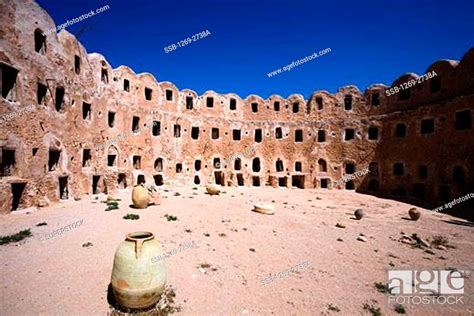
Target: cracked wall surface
x: 98, y: 129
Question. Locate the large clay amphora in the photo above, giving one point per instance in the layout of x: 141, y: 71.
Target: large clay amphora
x: 140, y: 196
x: 137, y: 280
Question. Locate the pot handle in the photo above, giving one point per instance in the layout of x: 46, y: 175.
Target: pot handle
x: 138, y: 248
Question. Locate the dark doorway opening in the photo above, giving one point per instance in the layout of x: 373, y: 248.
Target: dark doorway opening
x: 141, y: 179
x: 297, y: 181
x: 237, y: 164
x: 8, y: 82
x: 240, y: 180
x: 122, y: 181
x: 418, y: 190
x: 95, y: 184
x: 86, y: 157
x: 40, y: 42
x: 137, y: 162
x: 17, y: 194
x: 373, y: 185
x: 63, y: 188
x: 444, y: 193
x: 350, y: 185
x: 53, y: 160
x: 59, y: 98
x: 324, y: 183
x: 256, y: 181
x: 111, y: 160
x: 158, y: 179
x: 219, y: 176
x: 159, y: 164
x: 279, y: 165
x: 283, y: 182
x: 8, y: 162
x: 41, y: 93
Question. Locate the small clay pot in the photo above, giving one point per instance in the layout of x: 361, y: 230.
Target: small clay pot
x: 359, y: 213
x: 212, y: 189
x: 414, y: 214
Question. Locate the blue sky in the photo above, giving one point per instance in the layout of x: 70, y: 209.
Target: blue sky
x: 371, y: 41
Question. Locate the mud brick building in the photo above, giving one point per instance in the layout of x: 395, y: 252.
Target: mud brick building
x: 97, y: 129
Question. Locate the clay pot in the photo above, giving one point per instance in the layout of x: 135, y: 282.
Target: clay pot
x: 414, y: 214
x: 212, y: 189
x: 137, y: 280
x: 140, y: 196
x: 359, y: 213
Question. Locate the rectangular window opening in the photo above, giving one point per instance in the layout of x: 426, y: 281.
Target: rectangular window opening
x: 111, y: 160
x: 195, y: 132
x: 278, y: 133
x: 254, y: 107
x: 148, y: 94
x: 463, y: 119
x: 349, y: 134
x: 8, y: 162
x: 215, y: 133
x: 298, y: 136
x: 210, y: 102
x: 8, y: 77
x: 236, y: 134
x: 86, y: 157
x: 156, y: 129
x: 137, y: 162
x: 53, y: 159
x: 427, y: 126
x: 41, y: 93
x: 258, y: 135
x: 59, y: 100
x: 177, y: 130
x: 77, y: 64
x: 189, y: 103
x: 86, y: 111
x: 233, y: 104
x: 135, y: 124
x: 169, y: 95
x: 126, y: 85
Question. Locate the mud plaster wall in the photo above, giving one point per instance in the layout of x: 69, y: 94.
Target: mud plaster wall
x: 154, y: 124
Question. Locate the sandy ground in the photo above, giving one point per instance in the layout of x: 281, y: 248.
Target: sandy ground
x: 60, y: 277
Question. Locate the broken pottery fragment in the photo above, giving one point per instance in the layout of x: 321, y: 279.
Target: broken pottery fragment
x: 268, y: 209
